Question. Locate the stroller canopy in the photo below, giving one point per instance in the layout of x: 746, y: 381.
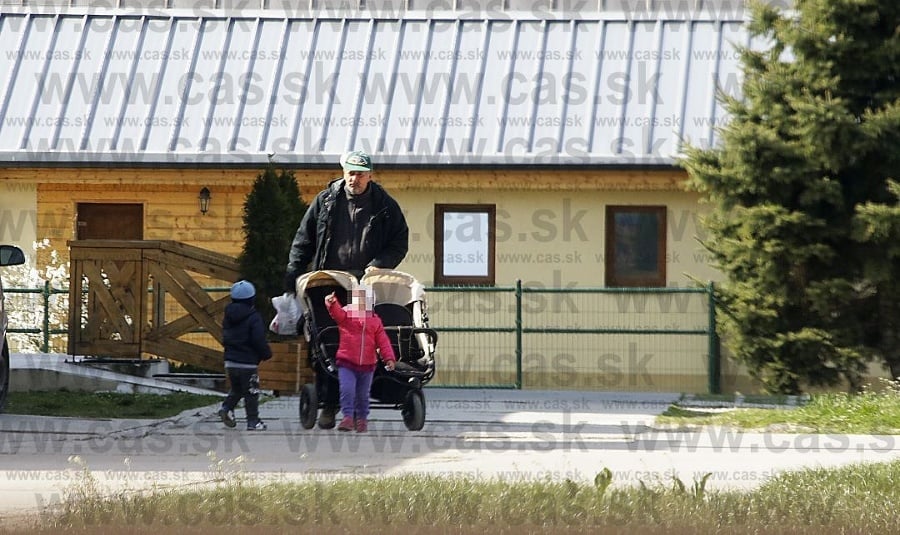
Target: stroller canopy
x: 325, y: 278
x: 395, y: 287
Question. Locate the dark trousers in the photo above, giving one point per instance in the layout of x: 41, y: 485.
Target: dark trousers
x: 244, y: 384
x: 329, y: 390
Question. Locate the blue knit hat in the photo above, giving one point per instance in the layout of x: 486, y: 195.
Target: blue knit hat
x: 242, y: 290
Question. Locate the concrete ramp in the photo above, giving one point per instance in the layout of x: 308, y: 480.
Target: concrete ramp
x: 56, y: 371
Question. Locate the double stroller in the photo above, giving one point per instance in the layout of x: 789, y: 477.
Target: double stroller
x: 400, y: 303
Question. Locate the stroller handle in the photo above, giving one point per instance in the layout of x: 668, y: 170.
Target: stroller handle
x: 427, y: 331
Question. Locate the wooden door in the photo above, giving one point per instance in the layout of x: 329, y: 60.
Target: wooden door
x: 110, y: 221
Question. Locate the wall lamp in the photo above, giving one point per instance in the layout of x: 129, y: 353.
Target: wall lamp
x: 204, y: 200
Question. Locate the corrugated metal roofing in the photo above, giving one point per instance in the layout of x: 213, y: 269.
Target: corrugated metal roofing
x: 177, y: 87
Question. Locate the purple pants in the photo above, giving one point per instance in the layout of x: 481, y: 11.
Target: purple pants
x: 355, y: 388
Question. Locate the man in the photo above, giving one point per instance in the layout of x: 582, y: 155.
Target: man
x: 353, y: 224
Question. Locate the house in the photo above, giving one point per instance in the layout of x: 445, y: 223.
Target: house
x: 532, y: 143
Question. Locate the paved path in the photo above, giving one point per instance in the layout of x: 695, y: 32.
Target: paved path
x: 533, y: 435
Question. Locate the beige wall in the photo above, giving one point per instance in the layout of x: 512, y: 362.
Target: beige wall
x: 18, y: 215
x: 555, y: 238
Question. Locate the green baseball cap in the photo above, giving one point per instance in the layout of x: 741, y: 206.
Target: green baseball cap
x: 356, y: 161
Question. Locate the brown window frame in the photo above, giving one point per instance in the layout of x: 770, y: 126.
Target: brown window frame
x: 457, y: 280
x: 616, y: 280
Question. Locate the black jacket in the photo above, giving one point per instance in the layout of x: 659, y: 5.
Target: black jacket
x: 243, y: 334
x: 387, y: 236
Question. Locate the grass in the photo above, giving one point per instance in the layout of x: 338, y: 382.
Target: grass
x: 852, y: 499
x: 105, y: 404
x: 871, y: 412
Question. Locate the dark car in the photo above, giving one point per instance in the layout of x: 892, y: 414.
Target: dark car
x: 9, y: 256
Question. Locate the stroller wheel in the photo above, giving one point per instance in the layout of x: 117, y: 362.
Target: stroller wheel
x: 414, y: 410
x: 309, y: 406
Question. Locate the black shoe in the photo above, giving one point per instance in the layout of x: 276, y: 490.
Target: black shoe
x: 227, y: 417
x: 326, y: 417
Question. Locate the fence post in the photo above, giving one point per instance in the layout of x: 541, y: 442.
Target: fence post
x: 45, y: 345
x: 715, y: 358
x: 519, y: 334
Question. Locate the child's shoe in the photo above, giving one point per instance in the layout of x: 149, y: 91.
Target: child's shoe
x: 227, y: 417
x: 362, y: 426
x: 259, y: 425
x: 346, y: 424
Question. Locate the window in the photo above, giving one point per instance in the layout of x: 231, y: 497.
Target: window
x: 464, y: 243
x: 635, y: 245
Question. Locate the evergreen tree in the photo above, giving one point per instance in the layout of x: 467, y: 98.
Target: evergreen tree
x: 878, y: 225
x: 810, y: 142
x: 272, y: 212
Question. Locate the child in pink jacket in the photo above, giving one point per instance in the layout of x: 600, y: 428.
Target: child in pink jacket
x: 361, y: 333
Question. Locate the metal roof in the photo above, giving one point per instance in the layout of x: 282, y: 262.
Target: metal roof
x: 182, y: 87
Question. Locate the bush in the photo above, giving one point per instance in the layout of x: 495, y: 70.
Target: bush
x: 272, y: 212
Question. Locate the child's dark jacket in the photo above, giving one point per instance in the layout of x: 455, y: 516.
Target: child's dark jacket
x: 243, y: 334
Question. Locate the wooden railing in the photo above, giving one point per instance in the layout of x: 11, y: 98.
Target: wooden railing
x: 122, y: 290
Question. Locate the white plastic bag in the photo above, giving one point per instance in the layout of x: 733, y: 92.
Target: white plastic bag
x: 287, y: 314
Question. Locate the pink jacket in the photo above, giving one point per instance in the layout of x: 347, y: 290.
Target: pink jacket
x: 359, y: 337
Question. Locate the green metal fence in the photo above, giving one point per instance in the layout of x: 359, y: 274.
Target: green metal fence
x: 43, y: 330
x: 649, y: 339
x: 645, y: 339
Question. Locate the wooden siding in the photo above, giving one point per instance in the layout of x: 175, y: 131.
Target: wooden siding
x: 171, y: 209
x: 171, y: 212
x: 288, y: 369
x: 312, y: 181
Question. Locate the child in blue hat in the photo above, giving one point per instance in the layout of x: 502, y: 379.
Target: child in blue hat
x: 244, y: 338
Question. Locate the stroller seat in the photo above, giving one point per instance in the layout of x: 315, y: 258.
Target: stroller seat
x: 324, y: 331
x: 393, y: 314
x: 398, y: 324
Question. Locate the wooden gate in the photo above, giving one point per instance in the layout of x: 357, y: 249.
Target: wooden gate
x: 120, y: 288
x: 123, y: 292
x: 128, y: 298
